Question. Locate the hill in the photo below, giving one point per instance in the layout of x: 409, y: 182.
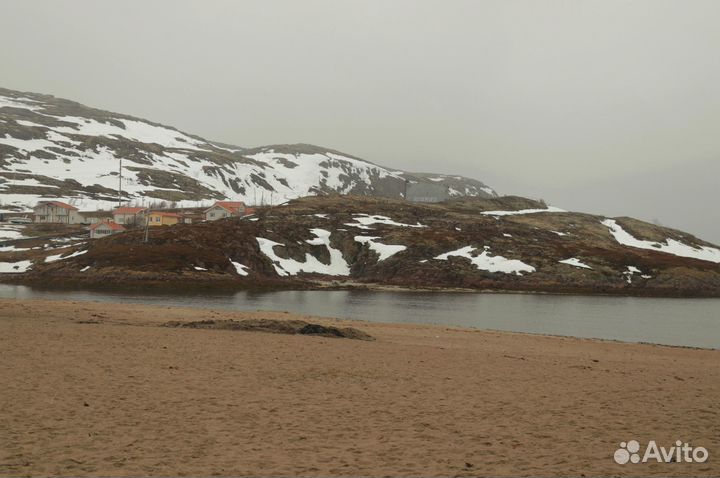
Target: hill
x: 56, y: 148
x: 501, y: 244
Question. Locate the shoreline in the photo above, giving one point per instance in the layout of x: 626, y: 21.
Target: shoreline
x: 342, y: 321
x: 163, y: 298
x: 109, y: 390
x: 226, y: 285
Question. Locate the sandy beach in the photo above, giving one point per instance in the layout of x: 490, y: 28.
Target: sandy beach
x: 105, y: 389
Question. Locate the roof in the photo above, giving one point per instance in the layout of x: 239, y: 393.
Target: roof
x: 57, y: 204
x: 232, y: 206
x: 165, y: 214
x: 112, y: 225
x: 128, y: 210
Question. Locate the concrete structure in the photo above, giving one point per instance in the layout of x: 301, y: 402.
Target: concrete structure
x: 56, y: 212
x: 223, y: 209
x: 129, y: 216
x: 104, y: 229
x: 427, y: 192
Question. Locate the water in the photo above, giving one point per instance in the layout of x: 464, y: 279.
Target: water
x: 686, y: 322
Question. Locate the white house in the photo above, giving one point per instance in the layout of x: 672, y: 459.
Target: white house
x: 103, y: 229
x: 129, y: 215
x: 223, y: 209
x: 56, y: 212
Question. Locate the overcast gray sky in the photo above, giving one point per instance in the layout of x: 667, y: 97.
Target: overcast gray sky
x: 610, y: 107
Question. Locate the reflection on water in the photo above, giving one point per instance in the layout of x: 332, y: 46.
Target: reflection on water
x: 688, y: 322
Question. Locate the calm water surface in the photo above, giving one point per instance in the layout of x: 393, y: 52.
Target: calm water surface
x: 687, y: 322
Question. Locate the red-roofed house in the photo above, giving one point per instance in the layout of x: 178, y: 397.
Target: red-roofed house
x: 103, y: 229
x: 56, y: 212
x: 129, y: 215
x: 222, y: 209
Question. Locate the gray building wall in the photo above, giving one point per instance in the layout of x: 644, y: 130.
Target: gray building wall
x: 427, y: 192
x: 47, y: 213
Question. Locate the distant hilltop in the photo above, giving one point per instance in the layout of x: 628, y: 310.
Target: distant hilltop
x: 60, y: 149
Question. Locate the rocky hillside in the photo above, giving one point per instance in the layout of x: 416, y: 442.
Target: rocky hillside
x: 55, y: 148
x: 508, y: 243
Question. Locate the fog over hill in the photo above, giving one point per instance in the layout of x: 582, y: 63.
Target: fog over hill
x: 589, y: 105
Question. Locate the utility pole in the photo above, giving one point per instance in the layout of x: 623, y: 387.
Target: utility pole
x: 147, y: 226
x: 120, y: 185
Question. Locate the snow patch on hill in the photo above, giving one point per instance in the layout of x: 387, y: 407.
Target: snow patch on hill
x: 15, y: 267
x: 290, y: 267
x: 575, y: 262
x: 331, y: 169
x: 671, y: 246
x: 132, y: 130
x: 11, y: 231
x: 364, y: 221
x: 60, y: 257
x: 240, y: 268
x: 484, y: 261
x: 383, y: 250
x: 634, y: 270
x: 22, y: 103
x: 522, y: 211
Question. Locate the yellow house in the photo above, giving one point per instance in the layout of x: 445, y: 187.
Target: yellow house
x: 158, y: 218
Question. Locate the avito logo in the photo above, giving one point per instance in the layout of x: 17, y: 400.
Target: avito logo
x: 680, y: 453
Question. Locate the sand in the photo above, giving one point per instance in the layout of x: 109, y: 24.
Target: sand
x: 102, y: 389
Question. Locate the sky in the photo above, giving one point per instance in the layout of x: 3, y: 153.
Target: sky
x: 609, y: 107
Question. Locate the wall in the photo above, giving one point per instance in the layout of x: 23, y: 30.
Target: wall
x: 427, y: 192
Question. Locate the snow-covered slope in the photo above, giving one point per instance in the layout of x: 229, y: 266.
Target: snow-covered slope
x: 55, y: 148
x: 457, y: 186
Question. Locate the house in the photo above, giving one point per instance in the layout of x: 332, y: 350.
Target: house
x: 190, y: 217
x: 93, y: 217
x: 103, y: 229
x: 56, y: 212
x: 160, y: 218
x: 223, y: 209
x: 129, y: 215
